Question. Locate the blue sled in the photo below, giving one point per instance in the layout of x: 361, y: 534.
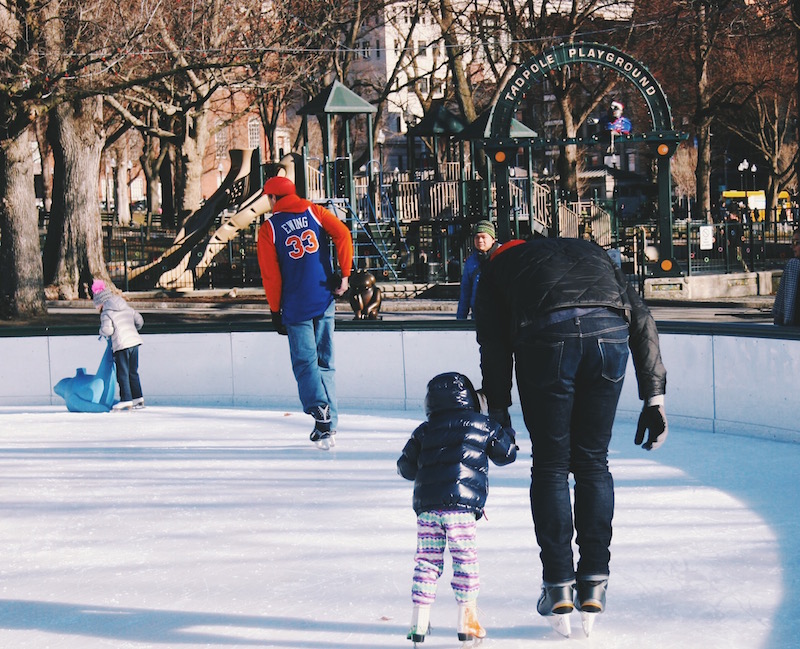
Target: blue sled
x: 90, y: 392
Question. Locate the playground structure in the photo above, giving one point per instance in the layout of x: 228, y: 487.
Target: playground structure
x: 402, y: 220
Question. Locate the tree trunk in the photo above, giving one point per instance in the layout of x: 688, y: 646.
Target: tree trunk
x: 74, y: 248
x: 461, y: 84
x: 703, y: 174
x: 122, y: 197
x: 21, y: 287
x: 166, y: 175
x: 45, y: 152
x: 192, y: 152
x: 567, y: 163
x: 152, y: 156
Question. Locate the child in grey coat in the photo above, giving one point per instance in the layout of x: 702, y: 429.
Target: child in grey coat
x: 121, y: 323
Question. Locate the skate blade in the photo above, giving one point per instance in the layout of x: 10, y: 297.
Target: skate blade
x: 561, y: 624
x: 587, y: 620
x: 323, y: 444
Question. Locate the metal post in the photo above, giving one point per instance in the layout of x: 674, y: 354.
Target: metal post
x: 503, y: 204
x: 665, y: 208
x: 125, y: 262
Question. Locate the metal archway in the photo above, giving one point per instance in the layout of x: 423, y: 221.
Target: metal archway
x: 663, y: 139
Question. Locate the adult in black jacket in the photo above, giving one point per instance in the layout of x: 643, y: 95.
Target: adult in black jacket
x: 564, y: 313
x: 447, y: 457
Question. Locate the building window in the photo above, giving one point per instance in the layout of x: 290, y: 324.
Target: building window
x: 365, y: 51
x: 222, y: 140
x: 422, y: 48
x: 254, y: 133
x: 377, y: 49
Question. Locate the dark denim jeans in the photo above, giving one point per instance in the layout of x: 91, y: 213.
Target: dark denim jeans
x: 127, y: 364
x: 569, y: 376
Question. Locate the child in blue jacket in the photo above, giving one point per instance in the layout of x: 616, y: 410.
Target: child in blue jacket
x: 448, y: 457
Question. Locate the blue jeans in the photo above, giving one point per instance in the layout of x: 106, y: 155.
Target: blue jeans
x: 569, y: 376
x: 127, y: 364
x: 311, y: 349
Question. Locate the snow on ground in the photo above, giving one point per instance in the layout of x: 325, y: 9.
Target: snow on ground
x: 190, y: 527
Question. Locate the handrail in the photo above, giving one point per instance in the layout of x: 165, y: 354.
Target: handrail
x: 344, y: 204
x: 418, y: 323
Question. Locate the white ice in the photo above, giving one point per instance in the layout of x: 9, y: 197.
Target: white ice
x: 188, y: 527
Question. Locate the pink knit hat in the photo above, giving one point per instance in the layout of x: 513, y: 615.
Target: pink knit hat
x: 100, y: 293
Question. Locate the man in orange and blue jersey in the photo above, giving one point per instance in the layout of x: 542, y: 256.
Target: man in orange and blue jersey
x: 301, y: 285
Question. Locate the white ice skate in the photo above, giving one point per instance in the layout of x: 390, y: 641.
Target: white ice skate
x: 470, y: 631
x: 420, y: 623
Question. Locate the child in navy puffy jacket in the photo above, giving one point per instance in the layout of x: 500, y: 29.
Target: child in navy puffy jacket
x: 448, y: 457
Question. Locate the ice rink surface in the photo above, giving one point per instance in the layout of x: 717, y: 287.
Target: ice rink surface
x: 189, y: 527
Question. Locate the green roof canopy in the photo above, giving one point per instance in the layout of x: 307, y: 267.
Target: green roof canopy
x: 337, y: 99
x: 478, y: 130
x: 437, y: 121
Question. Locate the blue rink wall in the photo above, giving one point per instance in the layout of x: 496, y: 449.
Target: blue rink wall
x: 737, y: 380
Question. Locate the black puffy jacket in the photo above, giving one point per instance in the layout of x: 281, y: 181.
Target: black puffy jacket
x: 447, y: 456
x: 525, y: 281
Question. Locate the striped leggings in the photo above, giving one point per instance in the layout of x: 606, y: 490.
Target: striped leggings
x: 435, y: 531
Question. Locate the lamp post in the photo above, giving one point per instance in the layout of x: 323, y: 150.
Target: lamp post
x: 753, y: 170
x: 744, y: 165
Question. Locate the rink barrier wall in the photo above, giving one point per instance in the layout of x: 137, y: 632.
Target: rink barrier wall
x: 722, y: 377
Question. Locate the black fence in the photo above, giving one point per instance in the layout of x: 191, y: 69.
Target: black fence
x: 235, y: 265
x: 698, y: 248
x: 436, y: 250
x: 732, y: 246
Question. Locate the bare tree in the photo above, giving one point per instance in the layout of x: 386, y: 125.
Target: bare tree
x: 766, y: 122
x: 684, y: 166
x: 696, y: 47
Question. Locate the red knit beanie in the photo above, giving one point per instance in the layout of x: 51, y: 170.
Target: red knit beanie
x: 279, y: 186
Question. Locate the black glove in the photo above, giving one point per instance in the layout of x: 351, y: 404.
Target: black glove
x: 277, y: 322
x: 334, y: 282
x: 654, y: 420
x: 501, y: 416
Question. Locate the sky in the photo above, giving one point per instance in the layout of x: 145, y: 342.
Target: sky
x: 191, y: 527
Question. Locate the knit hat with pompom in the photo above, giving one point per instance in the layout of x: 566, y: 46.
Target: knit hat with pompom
x: 100, y: 292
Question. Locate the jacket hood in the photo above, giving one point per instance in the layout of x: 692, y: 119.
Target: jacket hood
x: 450, y: 391
x: 115, y: 303
x: 291, y: 203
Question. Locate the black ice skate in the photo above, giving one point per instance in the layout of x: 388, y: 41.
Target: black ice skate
x: 322, y: 435
x: 590, y: 598
x: 555, y: 603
